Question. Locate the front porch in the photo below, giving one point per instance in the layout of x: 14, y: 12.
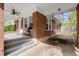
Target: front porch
x: 43, y: 28
x: 38, y: 32
x: 51, y: 48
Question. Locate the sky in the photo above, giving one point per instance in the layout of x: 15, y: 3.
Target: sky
x: 66, y: 17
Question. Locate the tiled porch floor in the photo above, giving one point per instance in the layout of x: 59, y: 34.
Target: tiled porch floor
x: 44, y: 49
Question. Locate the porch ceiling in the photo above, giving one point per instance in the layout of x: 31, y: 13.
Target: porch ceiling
x: 28, y: 8
x: 52, y: 8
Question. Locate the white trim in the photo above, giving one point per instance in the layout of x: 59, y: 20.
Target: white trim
x: 49, y: 21
x: 19, y: 24
x: 23, y: 23
x: 51, y: 24
x: 28, y: 22
x: 48, y: 24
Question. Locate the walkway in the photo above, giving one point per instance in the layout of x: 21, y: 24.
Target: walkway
x: 51, y: 48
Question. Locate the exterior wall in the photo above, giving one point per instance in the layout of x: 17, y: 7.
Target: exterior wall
x: 39, y: 27
x: 77, y: 41
x: 1, y: 30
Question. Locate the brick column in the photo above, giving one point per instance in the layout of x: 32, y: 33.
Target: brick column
x: 77, y: 41
x: 1, y: 30
x: 17, y: 25
x: 39, y: 25
x: 22, y: 23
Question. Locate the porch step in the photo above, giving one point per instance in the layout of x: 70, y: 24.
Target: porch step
x: 15, y: 39
x: 17, y: 47
x: 11, y: 45
x: 26, y: 46
x: 15, y: 42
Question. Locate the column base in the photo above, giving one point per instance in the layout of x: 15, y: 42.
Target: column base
x: 77, y: 49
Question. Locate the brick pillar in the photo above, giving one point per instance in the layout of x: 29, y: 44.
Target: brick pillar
x: 77, y: 41
x: 17, y: 25
x: 1, y: 30
x: 39, y: 25
x: 22, y: 23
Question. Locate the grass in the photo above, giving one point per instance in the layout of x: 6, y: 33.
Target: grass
x: 9, y: 28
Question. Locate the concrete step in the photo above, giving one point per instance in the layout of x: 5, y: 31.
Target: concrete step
x: 27, y: 46
x: 17, y: 47
x: 15, y: 39
x: 16, y: 42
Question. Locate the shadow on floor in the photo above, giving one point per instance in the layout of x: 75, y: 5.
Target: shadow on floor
x: 64, y: 42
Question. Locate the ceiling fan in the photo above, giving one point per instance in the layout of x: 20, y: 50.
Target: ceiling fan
x: 14, y: 12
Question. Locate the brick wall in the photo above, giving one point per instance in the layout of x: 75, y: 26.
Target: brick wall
x: 1, y: 30
x: 39, y: 27
x: 77, y: 41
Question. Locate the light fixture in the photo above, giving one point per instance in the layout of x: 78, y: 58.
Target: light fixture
x: 59, y: 9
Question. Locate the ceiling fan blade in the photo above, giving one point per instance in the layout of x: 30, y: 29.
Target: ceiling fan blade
x: 7, y: 10
x: 17, y: 14
x: 13, y: 12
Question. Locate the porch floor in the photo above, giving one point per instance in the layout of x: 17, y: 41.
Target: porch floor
x: 50, y: 48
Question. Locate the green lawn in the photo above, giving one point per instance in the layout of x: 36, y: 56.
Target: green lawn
x: 9, y: 28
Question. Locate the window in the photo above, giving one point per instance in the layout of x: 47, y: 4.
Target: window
x: 49, y: 25
x: 27, y: 23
